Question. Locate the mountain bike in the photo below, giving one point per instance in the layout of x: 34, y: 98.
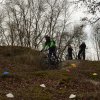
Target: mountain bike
x: 49, y: 63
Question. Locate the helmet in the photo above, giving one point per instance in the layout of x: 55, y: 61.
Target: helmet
x: 47, y: 37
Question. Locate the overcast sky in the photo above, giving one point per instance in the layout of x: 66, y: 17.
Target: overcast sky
x: 75, y: 18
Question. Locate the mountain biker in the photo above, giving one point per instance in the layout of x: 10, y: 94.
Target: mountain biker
x: 51, y: 46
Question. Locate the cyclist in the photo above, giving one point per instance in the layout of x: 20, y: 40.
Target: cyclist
x: 51, y: 46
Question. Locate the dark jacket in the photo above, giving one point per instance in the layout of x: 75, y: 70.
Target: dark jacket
x: 82, y: 46
x: 70, y: 49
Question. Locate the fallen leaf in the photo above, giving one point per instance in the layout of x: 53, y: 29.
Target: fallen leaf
x: 68, y: 70
x: 73, y: 65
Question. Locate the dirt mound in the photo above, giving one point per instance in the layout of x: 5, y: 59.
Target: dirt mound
x: 19, y: 58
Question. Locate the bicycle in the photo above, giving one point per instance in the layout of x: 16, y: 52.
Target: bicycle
x: 48, y: 63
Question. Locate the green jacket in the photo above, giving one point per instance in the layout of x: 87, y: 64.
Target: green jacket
x: 51, y: 44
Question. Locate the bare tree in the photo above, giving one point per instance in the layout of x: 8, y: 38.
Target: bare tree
x: 30, y: 20
x: 96, y: 36
x: 3, y: 37
x: 93, y: 8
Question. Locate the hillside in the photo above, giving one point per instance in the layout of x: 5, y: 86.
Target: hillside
x: 81, y: 78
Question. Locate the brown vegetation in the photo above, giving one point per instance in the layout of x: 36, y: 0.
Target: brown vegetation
x: 26, y: 75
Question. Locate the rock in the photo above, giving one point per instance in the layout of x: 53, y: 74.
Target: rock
x: 10, y: 95
x: 95, y: 74
x: 5, y: 73
x: 72, y: 96
x: 43, y: 85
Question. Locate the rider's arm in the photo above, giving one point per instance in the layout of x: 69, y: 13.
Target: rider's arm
x: 45, y: 46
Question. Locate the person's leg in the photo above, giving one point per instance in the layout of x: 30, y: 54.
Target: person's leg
x: 70, y: 56
x: 54, y: 54
x: 50, y: 54
x: 83, y: 54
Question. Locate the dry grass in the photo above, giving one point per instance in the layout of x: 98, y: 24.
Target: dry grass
x: 19, y: 56
x: 26, y: 76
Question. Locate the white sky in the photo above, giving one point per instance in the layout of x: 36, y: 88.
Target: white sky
x: 75, y: 17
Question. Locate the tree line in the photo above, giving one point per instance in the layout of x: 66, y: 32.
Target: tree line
x: 26, y: 22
